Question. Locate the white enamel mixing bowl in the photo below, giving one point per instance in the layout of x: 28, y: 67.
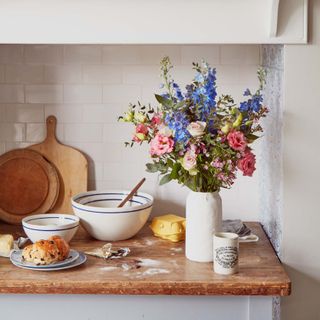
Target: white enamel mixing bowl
x: 43, y: 226
x: 102, y: 219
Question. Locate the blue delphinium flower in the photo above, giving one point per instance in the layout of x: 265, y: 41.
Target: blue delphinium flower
x: 257, y: 102
x: 247, y: 92
x: 199, y: 77
x: 203, y: 93
x: 177, y: 91
x: 178, y: 122
x: 252, y: 105
x: 209, y: 94
x: 245, y: 105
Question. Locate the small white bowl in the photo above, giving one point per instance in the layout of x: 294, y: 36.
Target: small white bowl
x: 43, y: 226
x: 104, y: 221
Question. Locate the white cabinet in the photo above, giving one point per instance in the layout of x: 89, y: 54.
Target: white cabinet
x: 153, y: 21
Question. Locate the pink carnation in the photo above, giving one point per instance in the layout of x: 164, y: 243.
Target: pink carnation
x: 237, y: 140
x: 247, y: 163
x: 160, y: 145
x: 141, y: 128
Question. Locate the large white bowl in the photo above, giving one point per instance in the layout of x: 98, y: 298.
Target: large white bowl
x: 43, y: 226
x: 102, y: 219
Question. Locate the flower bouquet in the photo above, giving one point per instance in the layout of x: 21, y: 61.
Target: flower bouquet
x: 197, y: 138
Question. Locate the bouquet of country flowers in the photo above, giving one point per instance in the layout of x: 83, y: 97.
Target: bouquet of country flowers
x: 195, y: 137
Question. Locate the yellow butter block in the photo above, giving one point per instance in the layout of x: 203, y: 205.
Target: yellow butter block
x: 169, y: 226
x: 172, y: 237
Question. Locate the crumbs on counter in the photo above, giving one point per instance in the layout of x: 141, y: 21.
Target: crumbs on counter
x: 107, y: 252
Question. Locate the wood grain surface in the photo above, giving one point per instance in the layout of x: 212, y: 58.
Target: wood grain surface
x: 71, y: 164
x: 163, y: 270
x: 29, y: 184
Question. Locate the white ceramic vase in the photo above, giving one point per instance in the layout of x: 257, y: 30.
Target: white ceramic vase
x: 204, y: 217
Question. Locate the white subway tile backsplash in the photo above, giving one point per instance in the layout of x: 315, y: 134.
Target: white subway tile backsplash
x: 142, y: 75
x: 248, y: 76
x: 228, y: 75
x: 11, y: 93
x: 112, y: 171
x: 240, y: 54
x: 121, y: 93
x: 83, y: 132
x: 82, y: 54
x: 82, y: 93
x: 16, y: 145
x: 62, y: 74
x: 22, y: 73
x: 208, y: 53
x: 44, y: 93
x: 11, y: 53
x: 105, y: 185
x: 117, y: 132
x: 93, y: 150
x: 102, y: 74
x: 36, y: 132
x: 2, y: 112
x: 112, y: 152
x: 43, y: 54
x: 136, y: 154
x: 24, y: 113
x: 87, y: 87
x: 148, y: 93
x: 12, y: 132
x: 102, y: 113
x: 96, y: 170
x: 65, y: 113
x: 2, y: 73
x: 2, y: 147
x: 132, y: 173
x: 122, y: 54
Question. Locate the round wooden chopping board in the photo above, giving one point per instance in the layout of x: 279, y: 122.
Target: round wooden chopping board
x: 29, y: 184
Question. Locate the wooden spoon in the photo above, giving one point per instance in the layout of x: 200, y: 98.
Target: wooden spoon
x: 131, y: 194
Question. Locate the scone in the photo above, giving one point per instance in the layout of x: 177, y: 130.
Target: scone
x: 46, y: 251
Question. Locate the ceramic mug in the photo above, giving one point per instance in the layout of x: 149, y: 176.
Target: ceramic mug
x: 226, y: 253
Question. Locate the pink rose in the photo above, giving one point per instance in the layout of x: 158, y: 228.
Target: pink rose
x: 247, y: 163
x: 156, y: 119
x: 237, y: 140
x: 141, y: 133
x: 160, y: 145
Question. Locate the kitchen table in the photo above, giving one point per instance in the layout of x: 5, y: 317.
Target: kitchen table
x: 154, y: 276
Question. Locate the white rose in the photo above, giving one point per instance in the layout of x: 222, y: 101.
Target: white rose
x: 197, y: 128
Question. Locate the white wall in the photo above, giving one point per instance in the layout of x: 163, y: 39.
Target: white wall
x: 108, y: 307
x: 88, y: 87
x: 301, y: 214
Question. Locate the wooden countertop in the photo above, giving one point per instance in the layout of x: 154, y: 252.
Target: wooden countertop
x: 164, y: 271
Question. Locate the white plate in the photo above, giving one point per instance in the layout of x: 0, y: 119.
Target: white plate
x: 82, y: 259
x: 16, y: 259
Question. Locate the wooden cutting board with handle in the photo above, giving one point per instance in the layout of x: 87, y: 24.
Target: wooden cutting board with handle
x: 71, y: 165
